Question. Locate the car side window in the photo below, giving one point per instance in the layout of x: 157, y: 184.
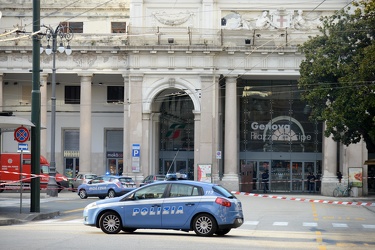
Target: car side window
x: 150, y: 192
x: 97, y: 180
x: 181, y: 190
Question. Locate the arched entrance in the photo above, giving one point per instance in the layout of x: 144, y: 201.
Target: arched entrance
x: 175, y: 132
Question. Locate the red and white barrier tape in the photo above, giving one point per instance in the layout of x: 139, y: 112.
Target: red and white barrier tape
x: 352, y: 203
x: 23, y: 174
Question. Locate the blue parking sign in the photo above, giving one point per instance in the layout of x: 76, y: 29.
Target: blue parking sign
x: 136, y: 153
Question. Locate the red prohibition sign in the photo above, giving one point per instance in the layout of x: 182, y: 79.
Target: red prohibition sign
x: 21, y: 134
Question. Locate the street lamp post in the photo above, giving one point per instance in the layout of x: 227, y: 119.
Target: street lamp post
x: 64, y: 34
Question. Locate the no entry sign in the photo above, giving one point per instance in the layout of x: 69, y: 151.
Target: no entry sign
x: 21, y: 134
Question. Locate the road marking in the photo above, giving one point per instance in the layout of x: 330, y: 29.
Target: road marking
x: 72, y: 211
x: 369, y: 226
x: 252, y: 223
x: 280, y: 223
x: 310, y: 224
x: 339, y: 225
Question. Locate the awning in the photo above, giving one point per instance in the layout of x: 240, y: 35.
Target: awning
x: 13, y: 122
x: 370, y: 162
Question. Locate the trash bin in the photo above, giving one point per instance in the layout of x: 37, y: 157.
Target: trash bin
x: 355, y: 191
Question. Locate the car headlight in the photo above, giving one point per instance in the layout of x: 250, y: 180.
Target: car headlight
x: 91, y: 206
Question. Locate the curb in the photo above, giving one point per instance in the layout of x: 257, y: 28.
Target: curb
x: 30, y: 217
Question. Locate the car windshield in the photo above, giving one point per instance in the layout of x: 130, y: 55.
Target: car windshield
x: 90, y: 176
x: 126, y: 179
x: 224, y: 192
x: 160, y: 177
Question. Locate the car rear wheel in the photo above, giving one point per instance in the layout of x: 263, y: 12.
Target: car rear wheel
x: 204, y: 225
x: 82, y: 194
x: 223, y: 231
x: 111, y: 193
x: 110, y: 223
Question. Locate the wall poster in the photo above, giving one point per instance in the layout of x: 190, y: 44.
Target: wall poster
x: 355, y: 177
x: 204, y: 172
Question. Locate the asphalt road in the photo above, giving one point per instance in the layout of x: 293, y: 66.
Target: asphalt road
x: 270, y: 223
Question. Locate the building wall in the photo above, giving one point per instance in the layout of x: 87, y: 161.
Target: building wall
x: 146, y: 63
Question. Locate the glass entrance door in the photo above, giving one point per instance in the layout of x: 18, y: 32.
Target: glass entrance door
x: 296, y: 174
x: 71, y: 167
x: 177, y: 166
x: 115, y: 166
x: 280, y: 176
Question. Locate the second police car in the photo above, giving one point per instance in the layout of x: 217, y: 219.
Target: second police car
x: 205, y: 208
x: 106, y: 185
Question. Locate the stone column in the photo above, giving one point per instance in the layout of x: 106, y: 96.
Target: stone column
x: 207, y: 14
x: 126, y: 146
x: 85, y: 124
x: 155, y: 141
x: 230, y: 178
x: 197, y: 143
x: 136, y: 11
x: 329, y: 178
x: 43, y: 114
x: 206, y: 137
x: 136, y: 133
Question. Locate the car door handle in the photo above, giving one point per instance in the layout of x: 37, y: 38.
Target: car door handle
x: 190, y: 204
x: 156, y: 205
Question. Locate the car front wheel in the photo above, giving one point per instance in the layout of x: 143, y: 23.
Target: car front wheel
x: 110, y: 223
x: 204, y: 225
x: 82, y: 194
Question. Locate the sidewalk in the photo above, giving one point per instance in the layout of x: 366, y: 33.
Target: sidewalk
x: 11, y: 212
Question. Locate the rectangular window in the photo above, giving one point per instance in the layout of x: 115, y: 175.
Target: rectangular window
x: 115, y: 94
x: 75, y: 27
x: 118, y: 27
x: 72, y: 94
x: 71, y: 139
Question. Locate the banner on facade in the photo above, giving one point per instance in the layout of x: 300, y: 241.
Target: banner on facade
x: 205, y: 172
x: 355, y: 177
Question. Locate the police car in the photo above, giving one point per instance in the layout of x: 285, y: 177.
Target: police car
x: 184, y: 205
x: 106, y: 185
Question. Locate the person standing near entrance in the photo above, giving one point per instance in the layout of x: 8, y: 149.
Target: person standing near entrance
x: 339, y: 176
x: 265, y: 179
x: 311, y: 182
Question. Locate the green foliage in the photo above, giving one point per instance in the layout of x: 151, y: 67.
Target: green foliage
x: 338, y: 74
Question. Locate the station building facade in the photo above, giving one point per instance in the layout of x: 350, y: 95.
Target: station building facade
x: 206, y: 88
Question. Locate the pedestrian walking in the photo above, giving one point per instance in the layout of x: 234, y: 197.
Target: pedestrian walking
x: 311, y: 182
